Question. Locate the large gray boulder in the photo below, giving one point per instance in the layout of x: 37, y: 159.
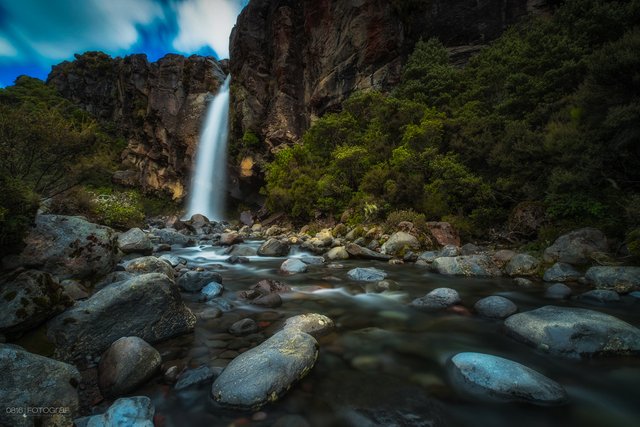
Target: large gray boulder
x: 134, y: 411
x: 172, y: 237
x: 264, y: 373
x: 494, y: 378
x: 576, y: 247
x: 574, y: 332
x: 522, y: 265
x: 468, y: 265
x: 29, y: 299
x: 399, y: 243
x: 495, y: 307
x: 127, y: 364
x: 366, y: 274
x: 273, y: 247
x: 135, y: 241
x: 30, y: 380
x: 620, y: 279
x: 148, y: 306
x: 561, y: 272
x: 68, y: 247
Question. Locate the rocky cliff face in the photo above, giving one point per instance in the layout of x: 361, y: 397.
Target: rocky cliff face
x: 157, y: 106
x: 294, y: 60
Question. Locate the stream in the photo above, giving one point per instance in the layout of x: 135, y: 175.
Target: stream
x: 386, y: 363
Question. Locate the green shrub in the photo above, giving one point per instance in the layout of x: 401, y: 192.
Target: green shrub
x: 394, y: 218
x: 18, y: 207
x: 121, y: 210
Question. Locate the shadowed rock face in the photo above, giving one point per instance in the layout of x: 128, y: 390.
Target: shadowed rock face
x: 294, y: 60
x: 158, y: 107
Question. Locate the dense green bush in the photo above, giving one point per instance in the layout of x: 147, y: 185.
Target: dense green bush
x: 119, y: 209
x: 18, y: 207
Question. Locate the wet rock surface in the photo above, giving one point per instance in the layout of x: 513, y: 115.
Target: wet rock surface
x: 437, y: 299
x: 495, y: 306
x: 148, y: 306
x: 369, y: 274
x: 488, y: 377
x: 574, y: 332
x: 264, y: 373
x: 619, y: 279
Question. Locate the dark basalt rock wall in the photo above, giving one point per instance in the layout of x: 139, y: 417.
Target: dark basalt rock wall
x: 157, y: 106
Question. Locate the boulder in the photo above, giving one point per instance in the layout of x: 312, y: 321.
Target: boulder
x: 268, y: 301
x: 293, y: 266
x: 522, y: 265
x: 312, y: 260
x: 150, y: 264
x: 561, y: 272
x: 339, y: 252
x: 495, y: 306
x: 135, y: 241
x: 428, y: 256
x: 368, y: 274
x: 444, y: 233
x: 148, y: 306
x: 194, y: 281
x: 127, y: 364
x: 574, y: 332
x: 31, y: 380
x: 620, y: 279
x: 273, y: 247
x: 360, y: 252
x: 29, y: 299
x: 241, y: 250
x: 599, y: 296
x: 232, y: 238
x: 190, y: 377
x: 399, y: 243
x: 313, y: 324
x: 137, y: 411
x: 470, y: 265
x: 173, y: 237
x: 493, y: 378
x: 470, y: 249
x: 173, y: 260
x: 576, y: 247
x: 557, y: 291
x: 437, y: 299
x: 449, y: 250
x: 243, y: 327
x: 212, y: 290
x: 68, y: 247
x: 264, y: 373
x: 502, y: 257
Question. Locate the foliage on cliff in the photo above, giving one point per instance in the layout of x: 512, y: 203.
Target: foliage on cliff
x: 547, y: 115
x: 47, y: 147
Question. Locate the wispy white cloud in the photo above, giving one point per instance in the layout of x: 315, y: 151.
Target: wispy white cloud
x: 7, y: 49
x: 56, y: 30
x: 203, y: 23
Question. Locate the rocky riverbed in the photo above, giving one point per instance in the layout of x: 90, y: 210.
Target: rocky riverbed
x: 199, y: 323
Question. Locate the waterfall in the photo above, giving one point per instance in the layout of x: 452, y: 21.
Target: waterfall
x: 209, y: 177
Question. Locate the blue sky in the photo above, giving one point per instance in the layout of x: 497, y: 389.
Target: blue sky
x: 36, y: 34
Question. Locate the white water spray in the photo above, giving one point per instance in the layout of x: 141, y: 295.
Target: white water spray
x: 209, y: 178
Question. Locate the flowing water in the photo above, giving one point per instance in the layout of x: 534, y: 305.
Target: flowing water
x: 387, y: 362
x: 209, y: 180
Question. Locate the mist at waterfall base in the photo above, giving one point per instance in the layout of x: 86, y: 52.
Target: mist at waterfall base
x: 209, y: 177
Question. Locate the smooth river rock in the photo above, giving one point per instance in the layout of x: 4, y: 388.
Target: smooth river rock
x: 574, y: 332
x: 360, y: 252
x: 31, y: 380
x: 368, y: 274
x: 313, y: 324
x: 150, y: 264
x: 561, y: 272
x: 273, y: 247
x: 264, y: 373
x: 619, y: 279
x: 128, y: 363
x: 134, y: 411
x: 494, y: 378
x: 437, y: 299
x: 194, y: 281
x: 522, y: 265
x: 293, y: 266
x: 135, y: 241
x: 496, y: 307
x: 576, y: 247
x: 400, y: 242
x: 148, y: 306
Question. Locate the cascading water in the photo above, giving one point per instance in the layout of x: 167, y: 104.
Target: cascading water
x: 209, y: 178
